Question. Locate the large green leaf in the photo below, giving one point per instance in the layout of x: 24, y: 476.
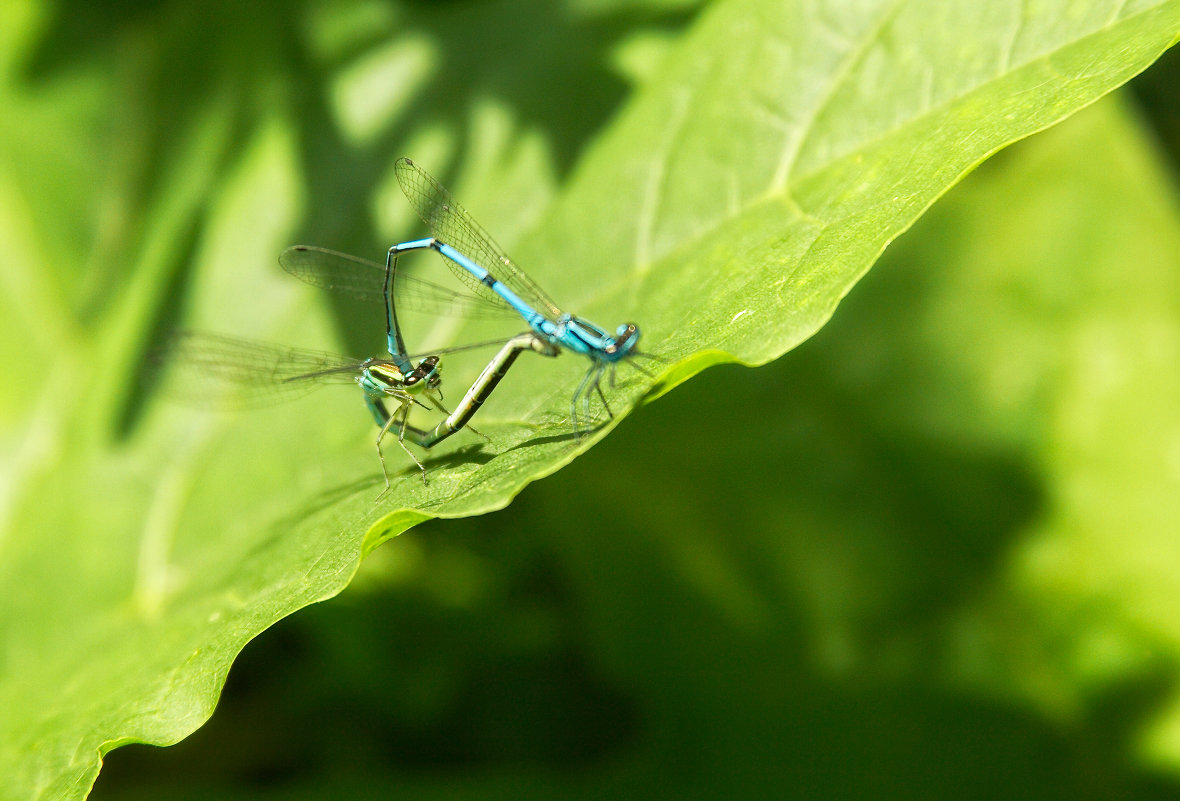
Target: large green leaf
x: 888, y: 587
x: 750, y: 182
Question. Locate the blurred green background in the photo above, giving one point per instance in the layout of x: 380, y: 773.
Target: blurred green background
x: 932, y: 553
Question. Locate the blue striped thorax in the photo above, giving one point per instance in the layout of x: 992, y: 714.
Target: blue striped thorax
x: 585, y: 337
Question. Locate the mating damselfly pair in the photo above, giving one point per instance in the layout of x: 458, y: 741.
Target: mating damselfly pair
x: 407, y: 380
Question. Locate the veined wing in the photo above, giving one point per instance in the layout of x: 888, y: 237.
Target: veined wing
x: 226, y: 370
x: 451, y: 224
x: 365, y: 280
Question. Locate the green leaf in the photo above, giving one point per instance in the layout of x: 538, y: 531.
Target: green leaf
x: 738, y: 196
x: 893, y: 570
x: 736, y: 241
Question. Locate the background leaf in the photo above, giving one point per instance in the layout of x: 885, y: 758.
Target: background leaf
x: 759, y: 169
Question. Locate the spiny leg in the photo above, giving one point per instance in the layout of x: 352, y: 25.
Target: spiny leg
x: 613, y: 368
x: 596, y: 373
x: 591, y: 383
x: 401, y: 438
x: 381, y: 456
x: 598, y: 387
x: 577, y: 394
x: 402, y: 411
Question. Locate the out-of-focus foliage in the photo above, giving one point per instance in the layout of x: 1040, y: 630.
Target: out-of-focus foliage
x: 933, y: 555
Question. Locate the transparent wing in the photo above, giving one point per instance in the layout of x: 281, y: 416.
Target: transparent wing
x: 227, y: 371
x: 365, y: 280
x: 218, y: 368
x: 450, y: 223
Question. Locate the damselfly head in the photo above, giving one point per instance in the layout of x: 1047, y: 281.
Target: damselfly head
x: 626, y: 339
x: 426, y: 375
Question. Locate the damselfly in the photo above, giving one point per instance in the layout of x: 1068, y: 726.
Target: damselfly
x: 481, y: 264
x: 222, y: 366
x: 367, y: 280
